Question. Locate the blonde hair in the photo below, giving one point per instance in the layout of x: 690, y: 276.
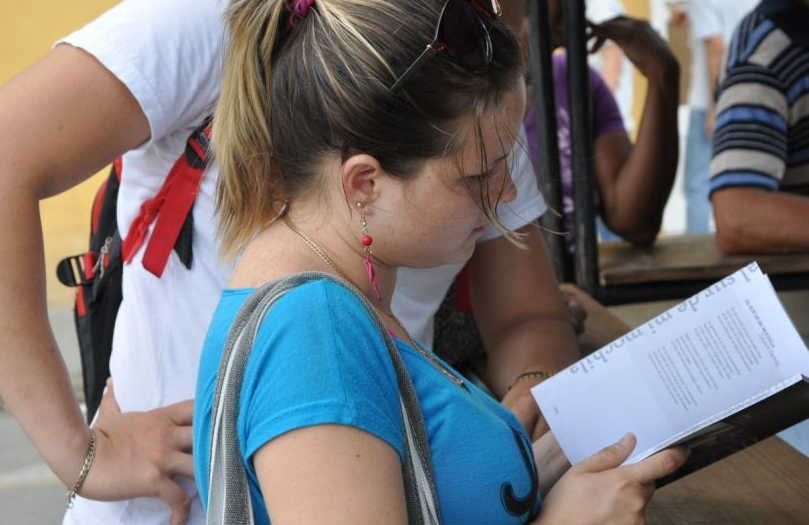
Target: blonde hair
x: 290, y: 95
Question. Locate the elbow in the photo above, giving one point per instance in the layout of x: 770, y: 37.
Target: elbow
x: 739, y: 233
x: 643, y: 237
x: 731, y: 238
x: 728, y: 244
x: 732, y: 235
x: 636, y: 231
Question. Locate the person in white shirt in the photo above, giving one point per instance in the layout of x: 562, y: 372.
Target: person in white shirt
x: 138, y: 80
x: 711, y: 27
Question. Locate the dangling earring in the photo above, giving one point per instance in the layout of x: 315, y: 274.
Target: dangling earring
x: 368, y: 255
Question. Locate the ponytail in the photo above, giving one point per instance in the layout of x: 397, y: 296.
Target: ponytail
x: 249, y: 192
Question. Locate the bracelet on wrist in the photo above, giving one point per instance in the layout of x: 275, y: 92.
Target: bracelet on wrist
x: 86, y: 465
x: 531, y: 373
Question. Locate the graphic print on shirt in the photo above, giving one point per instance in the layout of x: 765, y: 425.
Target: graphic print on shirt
x: 521, y: 505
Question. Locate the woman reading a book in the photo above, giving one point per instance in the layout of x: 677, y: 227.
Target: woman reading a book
x: 354, y: 138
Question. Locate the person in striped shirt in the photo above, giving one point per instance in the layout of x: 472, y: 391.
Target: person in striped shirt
x: 760, y: 167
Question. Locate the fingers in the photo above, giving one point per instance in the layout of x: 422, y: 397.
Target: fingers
x: 616, y: 26
x: 609, y: 457
x: 176, y: 498
x: 181, y: 413
x: 578, y: 314
x: 622, y: 30
x: 181, y: 464
x: 659, y: 465
x: 596, y: 46
x: 647, y: 491
x: 182, y: 438
x: 603, y: 30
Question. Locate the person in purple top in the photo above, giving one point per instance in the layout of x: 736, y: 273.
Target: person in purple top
x: 633, y: 180
x: 606, y: 119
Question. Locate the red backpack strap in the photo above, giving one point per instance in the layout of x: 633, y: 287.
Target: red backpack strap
x: 171, y: 206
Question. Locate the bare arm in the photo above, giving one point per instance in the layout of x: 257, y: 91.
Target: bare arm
x: 63, y: 120
x: 635, y: 180
x: 331, y: 474
x: 522, y: 318
x: 49, y: 111
x: 771, y: 221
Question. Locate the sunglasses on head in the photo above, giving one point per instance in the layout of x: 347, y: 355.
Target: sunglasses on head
x: 461, y: 34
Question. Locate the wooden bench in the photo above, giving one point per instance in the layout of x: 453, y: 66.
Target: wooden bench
x: 678, y: 266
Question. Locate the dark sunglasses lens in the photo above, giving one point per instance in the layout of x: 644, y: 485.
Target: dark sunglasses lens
x: 465, y: 35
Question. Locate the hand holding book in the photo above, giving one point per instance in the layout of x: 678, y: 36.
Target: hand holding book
x: 622, y: 491
x: 717, y: 372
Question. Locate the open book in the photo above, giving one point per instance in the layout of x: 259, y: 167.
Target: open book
x: 717, y: 373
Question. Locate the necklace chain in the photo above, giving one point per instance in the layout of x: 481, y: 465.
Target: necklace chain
x: 415, y: 344
x: 316, y: 249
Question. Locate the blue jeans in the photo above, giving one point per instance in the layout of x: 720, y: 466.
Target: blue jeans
x: 603, y: 231
x: 697, y: 165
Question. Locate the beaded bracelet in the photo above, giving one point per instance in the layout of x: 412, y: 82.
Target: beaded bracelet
x: 531, y: 373
x: 89, y: 457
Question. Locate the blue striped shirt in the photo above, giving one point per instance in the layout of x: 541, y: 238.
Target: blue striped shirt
x: 761, y: 138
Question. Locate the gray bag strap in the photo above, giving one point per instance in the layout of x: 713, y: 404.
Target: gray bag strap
x: 228, y: 491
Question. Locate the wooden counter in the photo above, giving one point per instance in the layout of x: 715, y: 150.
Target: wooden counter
x: 767, y: 484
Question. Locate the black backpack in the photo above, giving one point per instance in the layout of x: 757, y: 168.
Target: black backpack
x: 96, y: 274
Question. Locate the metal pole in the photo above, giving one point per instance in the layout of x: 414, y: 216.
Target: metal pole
x: 579, y: 97
x: 541, y: 70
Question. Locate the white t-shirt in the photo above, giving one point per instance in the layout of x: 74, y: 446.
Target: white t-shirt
x: 710, y: 18
x: 169, y: 53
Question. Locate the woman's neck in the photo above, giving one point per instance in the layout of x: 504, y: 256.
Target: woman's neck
x: 303, y: 241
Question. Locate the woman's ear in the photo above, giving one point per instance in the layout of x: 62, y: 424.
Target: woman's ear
x: 361, y: 175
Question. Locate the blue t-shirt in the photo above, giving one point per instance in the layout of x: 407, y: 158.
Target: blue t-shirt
x: 319, y: 359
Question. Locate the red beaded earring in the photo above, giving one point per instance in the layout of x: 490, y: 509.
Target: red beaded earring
x: 368, y: 254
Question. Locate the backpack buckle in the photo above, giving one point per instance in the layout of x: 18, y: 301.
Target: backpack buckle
x: 74, y: 271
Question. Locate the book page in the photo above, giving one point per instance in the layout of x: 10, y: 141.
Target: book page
x: 723, y: 346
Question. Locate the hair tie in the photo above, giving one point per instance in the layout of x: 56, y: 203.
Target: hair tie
x: 298, y: 9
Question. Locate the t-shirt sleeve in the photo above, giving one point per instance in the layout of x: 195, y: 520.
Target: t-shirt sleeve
x: 168, y: 53
x: 529, y: 204
x: 318, y: 359
x: 606, y: 114
x: 751, y: 134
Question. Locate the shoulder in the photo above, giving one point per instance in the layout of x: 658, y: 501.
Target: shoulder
x: 167, y: 53
x: 323, y: 320
x: 167, y: 22
x: 757, y: 42
x: 318, y: 358
x: 321, y: 299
